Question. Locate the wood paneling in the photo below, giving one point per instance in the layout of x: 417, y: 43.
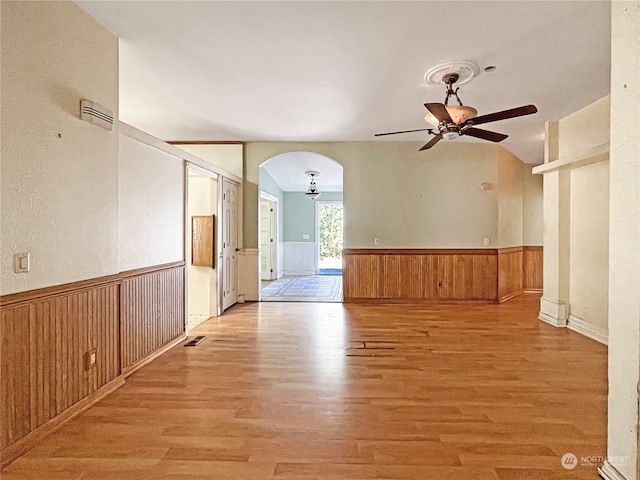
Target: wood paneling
x: 44, y: 346
x: 509, y: 273
x: 152, y: 312
x: 46, y: 336
x: 532, y: 269
x: 360, y: 276
x: 412, y: 275
x: 15, y: 381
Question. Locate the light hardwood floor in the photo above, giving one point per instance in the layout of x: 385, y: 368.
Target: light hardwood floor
x: 331, y: 391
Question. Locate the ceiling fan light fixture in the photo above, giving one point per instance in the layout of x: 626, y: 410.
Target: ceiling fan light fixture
x: 450, y: 136
x: 459, y: 114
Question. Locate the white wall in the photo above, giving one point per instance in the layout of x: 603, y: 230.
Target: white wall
x: 510, y: 200
x: 532, y: 207
x: 589, y: 246
x: 585, y: 129
x: 151, y: 209
x: 624, y: 240
x: 588, y: 219
x: 202, y: 281
x: 59, y: 173
x: 576, y: 219
x: 226, y: 156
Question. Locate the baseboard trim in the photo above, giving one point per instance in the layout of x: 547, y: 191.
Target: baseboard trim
x: 508, y: 297
x: 531, y: 290
x: 418, y: 301
x: 553, y: 313
x: 579, y: 325
x: 26, y: 443
x: 297, y: 273
x: 556, y: 322
x: 134, y: 367
x: 608, y: 472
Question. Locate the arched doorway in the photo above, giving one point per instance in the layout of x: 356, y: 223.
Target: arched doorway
x: 300, y: 237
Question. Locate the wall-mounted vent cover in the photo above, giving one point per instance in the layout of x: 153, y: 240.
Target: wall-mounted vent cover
x: 96, y: 114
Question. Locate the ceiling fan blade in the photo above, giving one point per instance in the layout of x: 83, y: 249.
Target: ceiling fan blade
x: 485, y: 134
x: 439, y: 111
x: 433, y: 141
x: 403, y: 131
x: 503, y: 115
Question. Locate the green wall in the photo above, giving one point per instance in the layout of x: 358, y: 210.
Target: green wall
x: 300, y: 215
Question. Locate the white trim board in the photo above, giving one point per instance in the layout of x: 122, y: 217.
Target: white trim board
x: 553, y: 313
x: 581, y: 326
x: 298, y: 273
x: 608, y: 472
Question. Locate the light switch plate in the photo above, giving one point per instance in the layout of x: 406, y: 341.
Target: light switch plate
x: 305, y: 236
x: 22, y: 262
x: 486, y: 242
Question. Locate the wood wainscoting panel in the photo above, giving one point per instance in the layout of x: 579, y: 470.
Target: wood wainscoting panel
x: 360, y: 276
x: 420, y: 275
x: 152, y: 312
x: 14, y: 380
x: 532, y: 269
x: 49, y: 335
x: 509, y: 273
x: 45, y: 349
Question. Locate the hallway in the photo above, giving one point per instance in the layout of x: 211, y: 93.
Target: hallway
x: 354, y: 391
x: 311, y: 288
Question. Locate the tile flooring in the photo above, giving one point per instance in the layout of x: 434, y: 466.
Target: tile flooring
x: 316, y: 288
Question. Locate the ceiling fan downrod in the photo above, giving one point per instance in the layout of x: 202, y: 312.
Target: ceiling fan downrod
x: 449, y: 79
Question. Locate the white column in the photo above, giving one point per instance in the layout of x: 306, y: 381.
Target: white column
x: 554, y: 308
x: 624, y: 245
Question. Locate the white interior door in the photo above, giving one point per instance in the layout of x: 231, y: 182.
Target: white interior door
x: 229, y: 243
x: 265, y: 240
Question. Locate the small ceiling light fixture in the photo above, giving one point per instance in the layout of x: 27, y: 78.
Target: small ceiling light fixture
x: 312, y: 191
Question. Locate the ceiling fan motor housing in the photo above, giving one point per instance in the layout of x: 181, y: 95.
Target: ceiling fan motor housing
x: 450, y: 135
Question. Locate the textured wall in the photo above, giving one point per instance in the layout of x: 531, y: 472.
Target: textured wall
x: 532, y: 207
x: 59, y: 173
x: 404, y: 197
x: 203, y: 200
x: 151, y: 210
x: 589, y: 257
x: 624, y: 237
x: 228, y: 157
x: 510, y: 204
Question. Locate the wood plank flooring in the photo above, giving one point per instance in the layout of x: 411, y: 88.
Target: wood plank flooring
x: 330, y: 391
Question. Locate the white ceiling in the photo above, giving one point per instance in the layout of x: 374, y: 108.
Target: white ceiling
x: 288, y: 170
x: 342, y: 71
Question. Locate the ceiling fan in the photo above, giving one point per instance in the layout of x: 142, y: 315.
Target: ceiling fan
x: 453, y: 121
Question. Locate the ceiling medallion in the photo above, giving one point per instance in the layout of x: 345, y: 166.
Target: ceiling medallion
x: 465, y: 71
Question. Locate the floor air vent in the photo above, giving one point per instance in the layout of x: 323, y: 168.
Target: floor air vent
x: 195, y: 341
